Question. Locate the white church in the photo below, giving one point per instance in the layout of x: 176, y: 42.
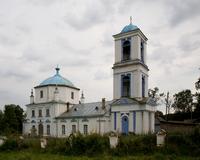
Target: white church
x: 57, y: 108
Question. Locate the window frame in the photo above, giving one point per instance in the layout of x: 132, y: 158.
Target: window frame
x: 73, y: 128
x: 48, y: 129
x: 40, y: 113
x: 63, y: 128
x: 123, y: 47
x: 32, y: 113
x: 41, y: 94
x: 142, y: 51
x: 72, y: 95
x: 122, y: 85
x: 48, y: 115
x: 85, y: 129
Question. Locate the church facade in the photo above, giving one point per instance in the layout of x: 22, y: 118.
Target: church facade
x: 57, y: 110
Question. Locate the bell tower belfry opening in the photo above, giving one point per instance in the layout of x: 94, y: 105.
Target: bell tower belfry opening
x: 130, y: 69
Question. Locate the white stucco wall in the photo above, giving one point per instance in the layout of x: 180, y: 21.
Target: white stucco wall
x: 141, y: 116
x: 93, y: 123
x: 63, y: 95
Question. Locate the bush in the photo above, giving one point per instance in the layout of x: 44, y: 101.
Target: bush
x: 58, y: 145
x: 9, y: 145
x: 135, y: 144
x: 93, y: 144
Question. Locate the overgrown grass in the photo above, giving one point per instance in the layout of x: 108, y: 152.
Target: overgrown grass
x: 25, y: 155
x: 177, y: 144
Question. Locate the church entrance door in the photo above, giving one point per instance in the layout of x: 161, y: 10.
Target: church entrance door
x: 40, y: 129
x: 125, y: 125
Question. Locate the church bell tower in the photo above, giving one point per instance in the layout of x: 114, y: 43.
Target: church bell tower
x: 130, y: 70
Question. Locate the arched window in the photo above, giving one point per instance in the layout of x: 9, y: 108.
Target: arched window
x: 48, y: 129
x: 142, y: 51
x: 33, y: 113
x: 40, y: 129
x: 143, y: 86
x: 126, y: 82
x: 126, y: 47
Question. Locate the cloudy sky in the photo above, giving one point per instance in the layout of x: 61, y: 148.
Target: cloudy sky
x: 36, y: 35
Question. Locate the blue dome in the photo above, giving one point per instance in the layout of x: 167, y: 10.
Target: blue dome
x: 129, y: 28
x: 57, y: 79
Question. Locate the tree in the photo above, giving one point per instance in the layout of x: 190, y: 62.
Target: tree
x: 155, y: 95
x: 159, y: 114
x: 13, y: 119
x: 183, y: 101
x: 197, y: 84
x: 197, y: 96
x: 197, y: 104
x: 168, y: 103
x: 1, y: 122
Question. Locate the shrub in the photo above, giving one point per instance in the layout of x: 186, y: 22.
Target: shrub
x: 135, y: 144
x: 57, y: 145
x: 89, y: 145
x: 9, y: 145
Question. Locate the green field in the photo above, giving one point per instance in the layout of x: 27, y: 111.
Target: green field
x: 26, y: 155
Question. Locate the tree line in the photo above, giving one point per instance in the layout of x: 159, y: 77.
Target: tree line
x: 183, y: 103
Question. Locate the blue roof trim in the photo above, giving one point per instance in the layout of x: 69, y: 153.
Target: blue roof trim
x: 129, y: 28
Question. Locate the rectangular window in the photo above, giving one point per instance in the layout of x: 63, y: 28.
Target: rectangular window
x: 134, y: 121
x: 40, y: 113
x: 72, y: 95
x: 33, y: 113
x: 47, y: 113
x: 115, y: 120
x: 73, y: 128
x: 63, y: 129
x: 48, y: 129
x: 41, y: 94
x: 85, y: 129
x: 142, y: 51
x: 143, y: 86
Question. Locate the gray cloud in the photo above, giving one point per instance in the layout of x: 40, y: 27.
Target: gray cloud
x: 6, y: 40
x: 16, y: 75
x: 92, y: 14
x: 102, y: 75
x: 180, y: 11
